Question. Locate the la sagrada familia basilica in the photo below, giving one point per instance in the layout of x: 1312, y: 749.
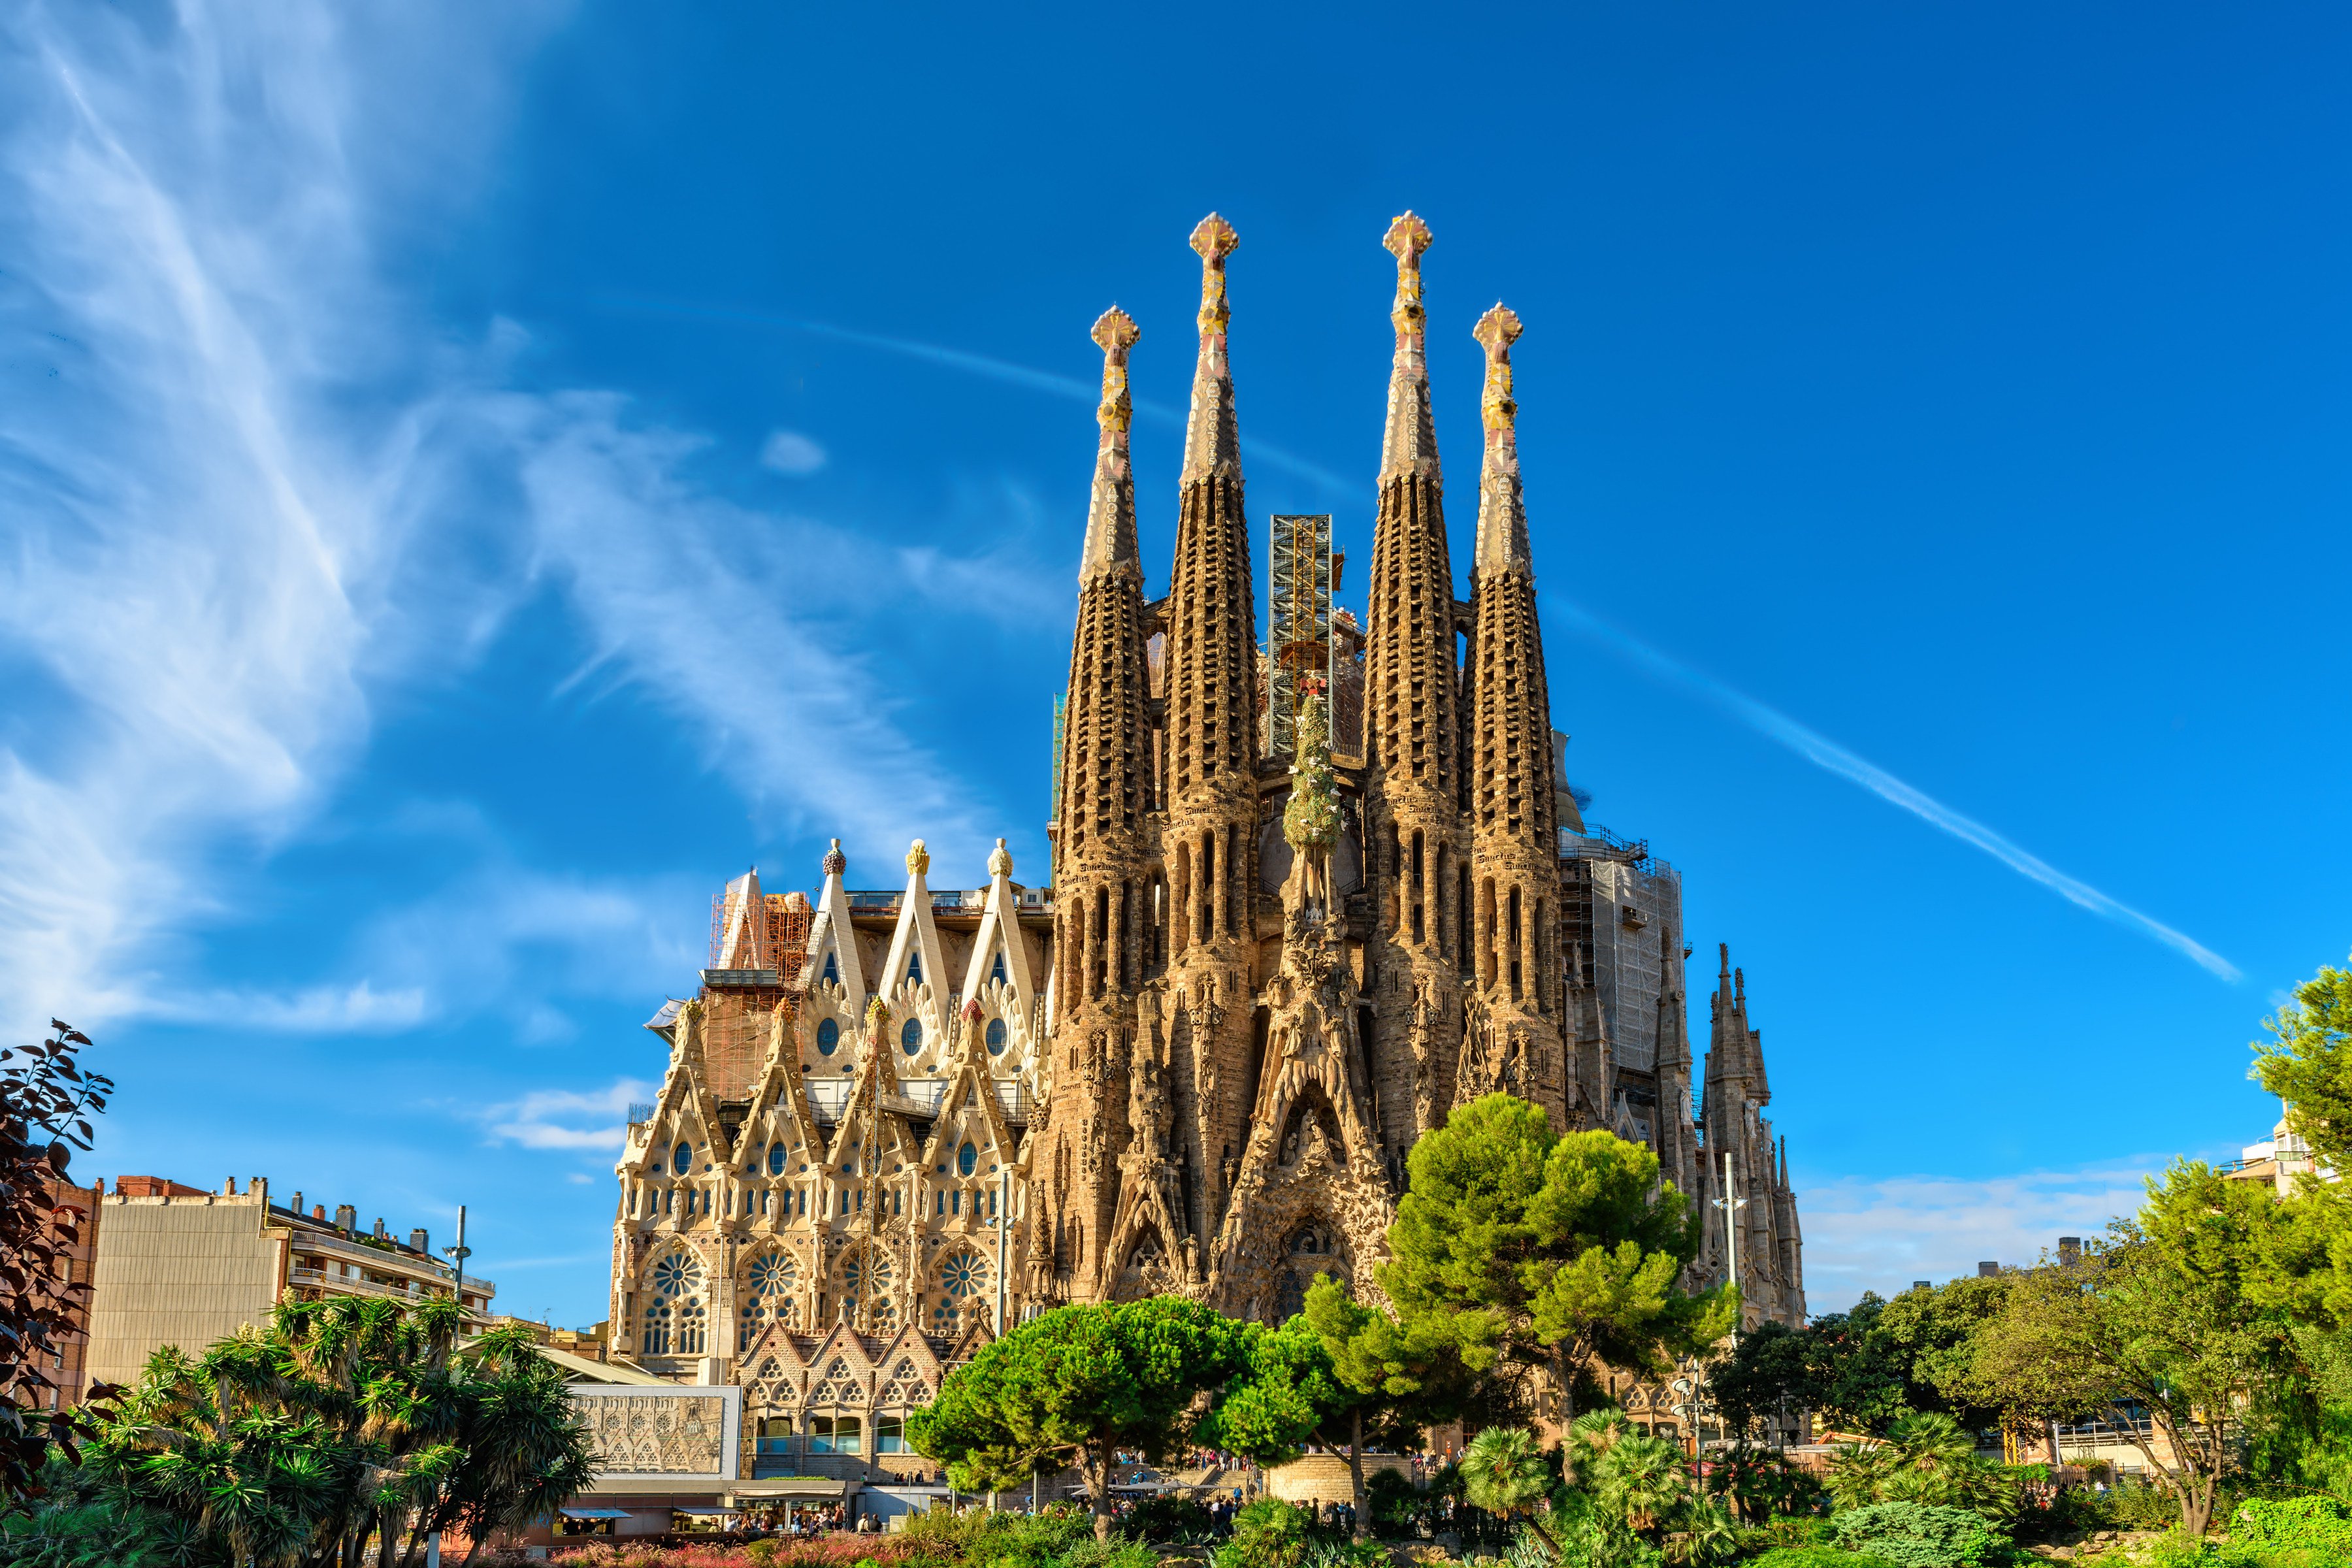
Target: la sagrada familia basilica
x: 1315, y: 883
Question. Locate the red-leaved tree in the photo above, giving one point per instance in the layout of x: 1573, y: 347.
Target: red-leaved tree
x: 45, y: 1104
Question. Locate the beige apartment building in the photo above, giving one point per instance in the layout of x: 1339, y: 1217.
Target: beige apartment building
x: 177, y: 1264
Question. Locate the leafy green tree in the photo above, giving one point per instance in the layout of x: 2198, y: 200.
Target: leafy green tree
x: 1769, y: 1371
x: 1079, y: 1383
x: 1555, y: 1251
x: 1341, y: 1374
x: 2307, y: 1063
x: 1504, y: 1472
x: 2173, y: 1314
x: 339, y: 1423
x: 1929, y: 1338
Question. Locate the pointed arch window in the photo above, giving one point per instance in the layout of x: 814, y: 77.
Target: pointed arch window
x: 833, y: 969
x: 996, y: 969
x: 915, y: 966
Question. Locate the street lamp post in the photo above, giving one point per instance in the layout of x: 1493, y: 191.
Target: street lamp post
x: 457, y: 1256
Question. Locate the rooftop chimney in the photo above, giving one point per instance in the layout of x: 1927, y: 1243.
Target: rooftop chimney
x: 420, y: 1241
x: 1921, y: 1284
x: 318, y: 1211
x: 1987, y: 1270
x: 382, y: 1233
x: 297, y: 1204
x: 2070, y: 1251
x: 346, y: 1217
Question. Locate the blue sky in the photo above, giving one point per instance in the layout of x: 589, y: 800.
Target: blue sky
x: 474, y: 477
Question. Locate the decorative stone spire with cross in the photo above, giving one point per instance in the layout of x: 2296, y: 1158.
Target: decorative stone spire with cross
x: 1409, y: 444
x: 1502, y: 512
x: 1212, y: 440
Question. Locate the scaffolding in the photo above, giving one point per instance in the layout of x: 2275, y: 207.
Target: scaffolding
x: 1298, y: 622
x: 780, y: 932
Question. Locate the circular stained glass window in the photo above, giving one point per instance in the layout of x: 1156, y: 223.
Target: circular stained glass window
x: 776, y: 1158
x: 963, y: 1274
x: 773, y: 1275
x: 911, y: 1036
x: 682, y: 1159
x: 828, y: 1035
x: 678, y: 1275
x: 996, y: 1036
x: 967, y: 1159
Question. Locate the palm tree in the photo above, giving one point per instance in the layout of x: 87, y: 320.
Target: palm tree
x: 1641, y: 1479
x: 1504, y: 1472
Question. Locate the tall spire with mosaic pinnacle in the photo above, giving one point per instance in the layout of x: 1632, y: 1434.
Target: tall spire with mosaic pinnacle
x: 1517, y: 1016
x: 1208, y: 837
x: 1413, y: 739
x: 1100, y: 844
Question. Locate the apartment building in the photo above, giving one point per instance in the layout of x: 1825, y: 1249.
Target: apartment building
x: 176, y: 1264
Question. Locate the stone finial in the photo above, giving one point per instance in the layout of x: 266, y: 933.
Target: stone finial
x: 1215, y: 239
x: 1000, y: 860
x: 1497, y: 330
x: 1502, y: 543
x: 1409, y: 440
x: 1212, y: 434
x: 1114, y: 333
x: 835, y: 862
x: 918, y: 860
x: 1111, y: 541
x: 1407, y: 239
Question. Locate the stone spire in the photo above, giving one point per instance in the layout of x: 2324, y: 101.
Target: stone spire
x: 1410, y: 446
x: 1110, y: 510
x: 1212, y: 439
x: 1105, y: 751
x: 1208, y: 837
x: 1515, y: 849
x: 1502, y: 513
x: 1101, y: 844
x: 1415, y: 848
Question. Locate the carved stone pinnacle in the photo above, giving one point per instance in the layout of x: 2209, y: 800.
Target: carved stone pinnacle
x: 1408, y: 236
x: 1215, y: 239
x: 1115, y: 332
x: 1497, y: 330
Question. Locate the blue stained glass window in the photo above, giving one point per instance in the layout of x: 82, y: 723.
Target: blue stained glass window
x: 968, y: 1158
x: 911, y: 1036
x: 996, y: 1036
x: 831, y: 969
x: 996, y: 971
x: 915, y: 966
x: 828, y: 1035
x: 682, y: 1159
x: 776, y: 1158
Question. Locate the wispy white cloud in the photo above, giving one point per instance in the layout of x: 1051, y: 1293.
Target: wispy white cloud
x: 790, y: 452
x: 1827, y: 754
x: 251, y: 495
x: 357, y: 1008
x: 1882, y: 1235
x: 559, y: 1119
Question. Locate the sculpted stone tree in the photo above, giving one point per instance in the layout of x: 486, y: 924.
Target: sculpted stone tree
x: 1076, y: 1386
x: 1559, y: 1251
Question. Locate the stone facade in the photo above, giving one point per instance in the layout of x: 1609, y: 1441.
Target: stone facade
x: 1199, y: 1063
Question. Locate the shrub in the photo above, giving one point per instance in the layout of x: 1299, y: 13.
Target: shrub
x: 1167, y: 1518
x: 1919, y: 1535
x: 2303, y: 1523
x: 1817, y: 1557
x: 1269, y: 1533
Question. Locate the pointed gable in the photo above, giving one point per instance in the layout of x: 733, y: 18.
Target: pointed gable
x: 833, y: 958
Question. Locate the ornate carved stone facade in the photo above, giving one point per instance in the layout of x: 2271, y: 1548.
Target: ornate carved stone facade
x: 1198, y: 1064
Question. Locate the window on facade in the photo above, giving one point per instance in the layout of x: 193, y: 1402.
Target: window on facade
x: 776, y: 1158
x: 967, y: 1159
x: 915, y: 966
x: 776, y: 1434
x: 831, y: 969
x: 828, y: 1033
x: 835, y: 1434
x: 682, y: 1159
x: 996, y: 970
x: 911, y: 1036
x: 996, y: 1036
x: 889, y: 1435
x: 955, y: 1202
